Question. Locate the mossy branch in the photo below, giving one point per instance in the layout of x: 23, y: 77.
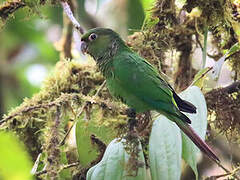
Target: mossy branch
x: 224, y: 105
x: 52, y: 149
x: 9, y: 7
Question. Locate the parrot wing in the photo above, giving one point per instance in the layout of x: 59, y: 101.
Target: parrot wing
x: 140, y: 78
x: 143, y: 79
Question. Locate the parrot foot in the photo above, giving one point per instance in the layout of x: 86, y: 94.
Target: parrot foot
x: 131, y: 113
x: 132, y: 123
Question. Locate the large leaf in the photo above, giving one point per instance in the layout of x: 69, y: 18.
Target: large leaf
x: 215, y: 73
x: 199, y: 123
x: 114, y: 165
x: 15, y: 163
x: 87, y: 152
x: 64, y: 173
x: 135, y: 15
x: 235, y: 48
x: 165, y: 150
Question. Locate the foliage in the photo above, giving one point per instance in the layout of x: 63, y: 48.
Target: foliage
x: 165, y: 150
x: 15, y: 163
x: 115, y: 165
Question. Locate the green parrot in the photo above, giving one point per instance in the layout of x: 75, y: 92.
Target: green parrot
x: 137, y: 83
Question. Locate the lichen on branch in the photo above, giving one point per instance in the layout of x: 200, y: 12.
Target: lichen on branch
x: 224, y: 107
x: 68, y: 86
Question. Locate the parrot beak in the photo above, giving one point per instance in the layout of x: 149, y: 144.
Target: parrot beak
x: 84, y: 47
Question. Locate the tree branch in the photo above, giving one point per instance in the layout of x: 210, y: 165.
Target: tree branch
x: 52, y: 149
x: 69, y: 13
x: 81, y: 111
x: 9, y: 8
x: 234, y: 87
x: 63, y: 167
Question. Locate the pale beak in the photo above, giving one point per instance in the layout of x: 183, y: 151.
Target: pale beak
x: 84, y: 47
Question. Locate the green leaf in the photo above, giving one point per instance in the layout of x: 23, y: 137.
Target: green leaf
x: 215, y: 73
x: 199, y: 77
x: 65, y: 173
x: 199, y: 123
x: 235, y: 48
x: 135, y: 14
x: 114, y: 165
x: 87, y: 152
x: 165, y: 150
x: 15, y: 163
x: 147, y: 5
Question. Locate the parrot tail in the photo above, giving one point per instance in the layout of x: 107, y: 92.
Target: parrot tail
x: 188, y: 130
x: 184, y: 105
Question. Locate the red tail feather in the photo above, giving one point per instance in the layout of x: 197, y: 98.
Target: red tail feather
x: 188, y: 130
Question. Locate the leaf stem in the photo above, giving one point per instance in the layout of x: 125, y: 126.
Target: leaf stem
x: 226, y: 170
x: 204, y: 52
x: 209, y: 69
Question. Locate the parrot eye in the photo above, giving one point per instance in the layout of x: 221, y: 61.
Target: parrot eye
x: 92, y: 37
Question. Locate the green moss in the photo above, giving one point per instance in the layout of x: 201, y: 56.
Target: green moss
x: 31, y: 3
x: 69, y: 86
x: 64, y: 87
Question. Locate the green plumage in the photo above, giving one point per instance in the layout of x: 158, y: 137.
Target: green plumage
x: 137, y: 83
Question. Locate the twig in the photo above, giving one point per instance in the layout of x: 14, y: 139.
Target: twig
x: 10, y: 7
x: 218, y: 176
x: 63, y: 167
x: 81, y: 111
x: 61, y: 99
x: 35, y: 166
x: 209, y: 69
x: 67, y: 38
x: 100, y: 89
x: 41, y: 172
x: 234, y: 87
x: 69, y: 13
x: 69, y: 130
x: 70, y: 165
x: 226, y: 170
x: 28, y: 109
x: 226, y: 174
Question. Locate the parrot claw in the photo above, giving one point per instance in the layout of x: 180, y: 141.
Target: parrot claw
x: 131, y: 113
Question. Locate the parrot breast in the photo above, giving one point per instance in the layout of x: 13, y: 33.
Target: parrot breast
x: 121, y: 93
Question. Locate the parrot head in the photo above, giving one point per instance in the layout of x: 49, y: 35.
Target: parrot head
x: 99, y: 41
